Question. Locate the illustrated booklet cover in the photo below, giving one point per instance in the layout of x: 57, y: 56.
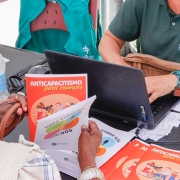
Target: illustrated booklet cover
x: 127, y: 166
x: 48, y: 94
x: 157, y: 163
x: 61, y: 130
x: 112, y: 141
x: 111, y: 165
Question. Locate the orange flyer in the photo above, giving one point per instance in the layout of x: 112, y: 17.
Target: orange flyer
x: 157, y: 163
x: 123, y: 171
x: 110, y: 166
x: 50, y: 93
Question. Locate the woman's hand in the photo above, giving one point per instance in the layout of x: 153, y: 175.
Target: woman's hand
x: 89, y: 142
x: 159, y: 86
x: 20, y: 99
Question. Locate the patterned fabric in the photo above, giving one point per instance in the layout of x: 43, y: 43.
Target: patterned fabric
x: 177, y: 73
x: 38, y: 166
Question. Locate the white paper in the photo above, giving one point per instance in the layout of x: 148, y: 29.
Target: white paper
x: 112, y: 141
x: 172, y: 119
x: 66, y: 162
x: 61, y: 130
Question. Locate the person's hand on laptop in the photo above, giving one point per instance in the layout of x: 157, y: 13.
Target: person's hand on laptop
x: 159, y: 86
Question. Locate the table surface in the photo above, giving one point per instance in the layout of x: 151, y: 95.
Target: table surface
x: 20, y: 59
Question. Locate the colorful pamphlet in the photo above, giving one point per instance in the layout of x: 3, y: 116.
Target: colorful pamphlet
x: 123, y: 171
x: 111, y: 165
x: 157, y: 163
x: 61, y: 130
x: 48, y: 94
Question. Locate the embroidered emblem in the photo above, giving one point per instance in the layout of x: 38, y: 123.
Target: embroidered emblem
x: 86, y: 49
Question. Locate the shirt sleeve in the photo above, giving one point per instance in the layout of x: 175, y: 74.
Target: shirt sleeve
x: 127, y: 23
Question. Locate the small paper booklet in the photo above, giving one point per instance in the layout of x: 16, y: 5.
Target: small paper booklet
x: 112, y: 141
x: 61, y: 130
x: 111, y: 165
x: 125, y: 168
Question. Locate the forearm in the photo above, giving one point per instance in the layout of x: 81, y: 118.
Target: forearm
x: 87, y: 161
x: 109, y: 49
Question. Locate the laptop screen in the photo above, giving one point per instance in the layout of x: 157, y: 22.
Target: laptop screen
x: 120, y: 90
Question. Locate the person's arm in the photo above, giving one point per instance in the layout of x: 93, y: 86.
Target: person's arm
x: 110, y: 47
x: 89, y: 142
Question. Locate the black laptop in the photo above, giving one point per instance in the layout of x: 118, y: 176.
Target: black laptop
x: 121, y: 91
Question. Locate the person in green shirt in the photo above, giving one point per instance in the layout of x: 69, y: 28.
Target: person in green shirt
x: 157, y: 24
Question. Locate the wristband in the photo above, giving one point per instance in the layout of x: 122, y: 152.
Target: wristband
x: 177, y: 73
x: 91, y: 173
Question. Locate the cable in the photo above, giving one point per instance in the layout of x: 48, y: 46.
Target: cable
x: 154, y: 142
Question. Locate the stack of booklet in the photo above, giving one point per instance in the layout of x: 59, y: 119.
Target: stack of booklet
x: 140, y: 161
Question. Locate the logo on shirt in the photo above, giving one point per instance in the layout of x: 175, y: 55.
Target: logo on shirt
x: 86, y: 50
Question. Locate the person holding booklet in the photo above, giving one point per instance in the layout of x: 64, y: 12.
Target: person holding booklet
x: 88, y: 144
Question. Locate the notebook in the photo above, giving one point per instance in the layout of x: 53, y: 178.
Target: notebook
x: 121, y: 91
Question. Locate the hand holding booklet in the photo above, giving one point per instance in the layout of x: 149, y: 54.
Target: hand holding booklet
x: 112, y: 141
x: 61, y: 130
x: 58, y: 134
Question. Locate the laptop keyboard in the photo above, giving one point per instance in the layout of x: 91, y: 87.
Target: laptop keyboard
x: 156, y: 108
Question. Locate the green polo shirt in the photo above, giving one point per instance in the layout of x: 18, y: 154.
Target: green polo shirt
x: 154, y: 22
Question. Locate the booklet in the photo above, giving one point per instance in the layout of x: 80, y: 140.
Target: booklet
x: 112, y: 141
x: 61, y: 130
x: 157, y: 163
x: 66, y: 162
x: 111, y: 165
x: 51, y: 93
x: 125, y: 169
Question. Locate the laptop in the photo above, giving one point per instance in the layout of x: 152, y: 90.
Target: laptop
x: 121, y: 91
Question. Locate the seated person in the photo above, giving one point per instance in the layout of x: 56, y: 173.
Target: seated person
x: 88, y: 144
x: 156, y: 23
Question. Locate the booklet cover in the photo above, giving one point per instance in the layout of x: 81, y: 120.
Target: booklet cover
x: 123, y: 171
x: 61, y: 130
x: 157, y: 163
x: 51, y: 93
x: 111, y: 165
